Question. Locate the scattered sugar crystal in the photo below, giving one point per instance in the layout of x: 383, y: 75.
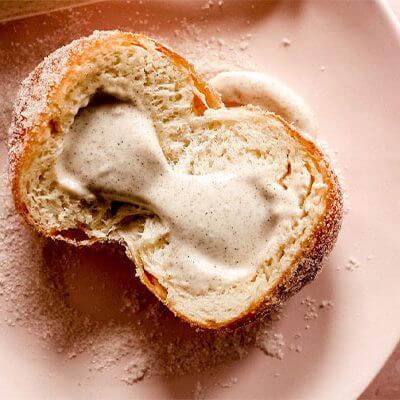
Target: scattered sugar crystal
x: 228, y: 383
x: 297, y: 335
x: 243, y: 45
x: 134, y: 372
x: 271, y: 343
x: 326, y: 304
x: 311, y: 308
x: 285, y: 42
x: 207, y: 5
x: 295, y: 347
x: 352, y: 264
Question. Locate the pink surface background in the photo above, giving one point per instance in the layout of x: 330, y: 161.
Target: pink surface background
x: 386, y: 384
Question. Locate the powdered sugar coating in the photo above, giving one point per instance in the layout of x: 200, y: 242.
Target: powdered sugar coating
x: 32, y: 98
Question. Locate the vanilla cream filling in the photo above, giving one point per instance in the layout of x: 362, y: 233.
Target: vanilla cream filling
x: 248, y: 87
x: 219, y: 224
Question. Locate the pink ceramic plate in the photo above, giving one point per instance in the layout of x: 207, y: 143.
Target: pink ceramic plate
x: 344, y: 58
